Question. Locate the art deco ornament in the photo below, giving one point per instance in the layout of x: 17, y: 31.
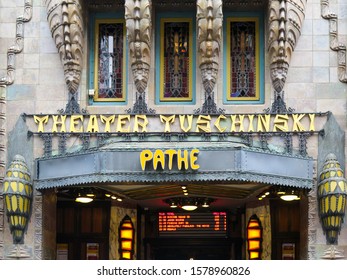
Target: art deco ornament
x: 139, y: 28
x: 18, y: 195
x: 209, y: 21
x: 285, y: 23
x: 66, y: 24
x: 332, y: 195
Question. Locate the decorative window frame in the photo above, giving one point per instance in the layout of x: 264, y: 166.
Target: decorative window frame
x: 162, y: 18
x: 95, y: 20
x: 260, y: 80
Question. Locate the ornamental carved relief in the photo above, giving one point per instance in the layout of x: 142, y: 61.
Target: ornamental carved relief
x: 139, y: 28
x: 285, y: 23
x: 66, y: 24
x: 335, y: 45
x: 17, y: 47
x: 209, y: 22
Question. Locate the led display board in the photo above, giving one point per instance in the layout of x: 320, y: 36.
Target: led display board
x: 194, y: 224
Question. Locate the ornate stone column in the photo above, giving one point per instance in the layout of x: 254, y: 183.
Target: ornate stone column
x: 209, y: 22
x: 139, y: 30
x: 66, y: 24
x: 285, y: 22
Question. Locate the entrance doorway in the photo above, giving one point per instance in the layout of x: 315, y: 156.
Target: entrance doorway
x: 195, y: 249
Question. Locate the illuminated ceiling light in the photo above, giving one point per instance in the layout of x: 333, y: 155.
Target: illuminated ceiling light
x: 107, y: 195
x: 267, y: 193
x: 83, y: 199
x: 289, y: 196
x: 173, y: 205
x: 119, y: 199
x: 205, y: 205
x: 183, y: 187
x: 189, y: 203
x: 189, y: 207
x: 113, y: 197
x: 185, y: 193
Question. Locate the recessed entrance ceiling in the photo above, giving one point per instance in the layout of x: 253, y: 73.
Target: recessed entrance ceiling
x: 151, y: 196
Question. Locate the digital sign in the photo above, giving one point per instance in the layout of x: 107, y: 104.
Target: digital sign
x: 206, y: 224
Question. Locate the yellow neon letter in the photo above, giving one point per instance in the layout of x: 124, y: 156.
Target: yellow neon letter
x: 263, y: 123
x: 217, y: 123
x: 41, y: 121
x: 237, y: 122
x: 143, y: 124
x: 61, y: 122
x: 312, y: 127
x: 145, y: 156
x: 158, y: 157
x: 107, y: 121
x: 203, y: 123
x: 122, y: 119
x: 182, y: 159
x: 93, y: 124
x: 170, y: 153
x: 193, y: 158
x: 167, y: 121
x: 250, y: 127
x: 75, y: 119
x: 281, y: 123
x: 189, y: 120
x: 297, y: 126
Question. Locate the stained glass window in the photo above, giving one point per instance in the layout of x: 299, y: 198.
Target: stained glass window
x: 109, y: 61
x: 176, y: 66
x: 243, y: 60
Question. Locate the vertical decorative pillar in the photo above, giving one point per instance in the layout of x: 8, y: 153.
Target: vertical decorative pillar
x: 332, y: 197
x: 66, y: 24
x: 139, y: 28
x: 210, y: 22
x: 285, y: 22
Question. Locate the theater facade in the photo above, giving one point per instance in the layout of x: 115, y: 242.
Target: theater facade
x: 150, y: 130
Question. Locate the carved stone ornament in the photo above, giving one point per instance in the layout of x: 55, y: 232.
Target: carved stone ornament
x: 285, y: 22
x: 335, y: 44
x: 17, y: 47
x: 139, y: 28
x: 66, y: 24
x: 209, y: 21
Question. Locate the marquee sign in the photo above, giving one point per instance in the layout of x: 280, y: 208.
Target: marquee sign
x: 234, y: 123
x: 89, y: 129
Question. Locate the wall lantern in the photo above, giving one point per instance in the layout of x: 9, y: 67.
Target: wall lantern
x: 18, y: 196
x: 332, y: 194
x: 254, y: 238
x: 126, y: 239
